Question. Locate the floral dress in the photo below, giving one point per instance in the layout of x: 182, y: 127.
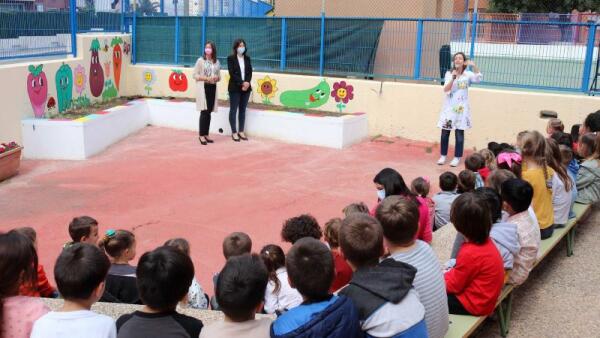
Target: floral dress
x: 456, y: 113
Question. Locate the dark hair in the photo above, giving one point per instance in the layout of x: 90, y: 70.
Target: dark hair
x: 465, y: 58
x: 393, y: 183
x: 515, y: 167
x: 497, y: 177
x: 399, y: 218
x: 566, y: 153
x: 493, y: 200
x: 274, y: 258
x: 466, y: 181
x: 310, y: 268
x: 28, y: 232
x: 299, y: 227
x: 359, y: 207
x: 420, y: 186
x: 474, y: 162
x: 332, y: 230
x: 471, y: 217
x: 236, y: 244
x: 497, y: 148
x: 79, y: 270
x: 81, y: 227
x: 518, y: 194
x: 18, y: 265
x: 592, y: 143
x: 562, y: 138
x: 361, y: 240
x: 115, y: 242
x: 575, y: 132
x: 237, y: 43
x: 179, y: 243
x: 592, y: 121
x: 213, y: 56
x: 554, y: 160
x: 241, y: 286
x: 556, y: 125
x: 448, y: 181
x: 164, y: 276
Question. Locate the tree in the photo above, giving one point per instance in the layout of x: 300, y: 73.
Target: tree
x: 543, y: 6
x: 147, y: 7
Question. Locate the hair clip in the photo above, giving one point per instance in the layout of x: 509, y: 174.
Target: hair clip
x: 110, y: 233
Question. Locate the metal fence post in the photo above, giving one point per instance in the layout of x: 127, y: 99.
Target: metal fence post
x: 466, y: 18
x: 589, y: 57
x: 322, y: 47
x: 162, y: 7
x: 73, y: 19
x: 122, y: 16
x: 418, y: 50
x: 282, y: 54
x: 473, y: 36
x: 221, y: 9
x: 204, y: 26
x: 133, y: 43
x: 176, y: 54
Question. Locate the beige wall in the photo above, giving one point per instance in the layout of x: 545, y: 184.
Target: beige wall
x: 13, y: 85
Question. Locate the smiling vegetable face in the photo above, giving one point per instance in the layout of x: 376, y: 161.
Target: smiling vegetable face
x: 310, y: 98
x: 37, y: 89
x: 64, y: 87
x: 178, y: 81
x: 96, y: 72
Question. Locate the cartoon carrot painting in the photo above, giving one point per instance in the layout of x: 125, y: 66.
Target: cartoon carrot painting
x: 117, y: 59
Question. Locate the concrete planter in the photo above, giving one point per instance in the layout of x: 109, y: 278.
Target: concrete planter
x: 10, y: 162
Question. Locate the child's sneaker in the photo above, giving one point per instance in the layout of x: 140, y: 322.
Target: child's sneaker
x: 455, y: 162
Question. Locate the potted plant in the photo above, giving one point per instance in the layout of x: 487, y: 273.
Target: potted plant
x: 10, y: 159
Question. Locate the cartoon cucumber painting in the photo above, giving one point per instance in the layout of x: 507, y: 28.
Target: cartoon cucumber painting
x: 64, y: 87
x: 310, y: 98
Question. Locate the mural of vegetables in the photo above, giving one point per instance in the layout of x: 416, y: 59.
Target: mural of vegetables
x: 37, y: 89
x: 64, y: 87
x: 107, y: 69
x: 51, y: 105
x: 343, y: 93
x: 110, y: 92
x: 80, y: 80
x: 178, y: 81
x: 96, y: 72
x: 310, y: 98
x: 117, y: 59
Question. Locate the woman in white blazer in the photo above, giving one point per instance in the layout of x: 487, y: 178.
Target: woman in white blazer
x: 207, y: 72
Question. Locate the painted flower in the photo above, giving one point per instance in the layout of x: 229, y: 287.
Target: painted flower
x: 459, y: 109
x: 342, y: 92
x: 149, y: 77
x: 80, y: 79
x: 267, y: 88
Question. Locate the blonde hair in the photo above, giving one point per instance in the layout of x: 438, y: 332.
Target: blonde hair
x: 534, y: 150
x: 490, y: 159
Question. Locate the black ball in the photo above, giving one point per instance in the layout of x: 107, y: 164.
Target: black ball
x: 220, y: 130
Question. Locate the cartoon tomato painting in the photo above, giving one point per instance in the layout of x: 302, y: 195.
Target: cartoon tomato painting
x: 178, y: 81
x: 37, y: 89
x: 96, y: 72
x: 117, y: 59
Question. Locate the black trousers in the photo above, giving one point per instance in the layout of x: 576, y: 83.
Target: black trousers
x: 458, y: 147
x: 455, y: 307
x: 238, y: 100
x: 210, y: 91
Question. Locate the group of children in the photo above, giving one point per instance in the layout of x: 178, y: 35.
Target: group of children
x: 371, y: 273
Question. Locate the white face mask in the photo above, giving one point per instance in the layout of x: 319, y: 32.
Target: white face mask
x: 381, y: 194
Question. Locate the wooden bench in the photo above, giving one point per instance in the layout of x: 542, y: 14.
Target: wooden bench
x: 464, y: 326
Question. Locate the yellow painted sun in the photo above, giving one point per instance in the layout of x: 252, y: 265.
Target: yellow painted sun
x: 267, y: 87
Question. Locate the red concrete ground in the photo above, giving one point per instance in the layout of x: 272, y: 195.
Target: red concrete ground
x: 162, y: 183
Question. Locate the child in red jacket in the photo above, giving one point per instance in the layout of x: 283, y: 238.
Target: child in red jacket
x: 42, y: 288
x: 343, y: 271
x: 475, y: 282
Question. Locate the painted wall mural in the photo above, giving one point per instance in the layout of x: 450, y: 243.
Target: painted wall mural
x: 267, y: 88
x: 64, y: 87
x: 51, y: 105
x: 117, y: 59
x: 80, y: 80
x: 96, y: 72
x: 178, y: 81
x: 342, y: 93
x: 110, y: 92
x: 37, y: 89
x: 149, y: 77
x: 309, y: 98
x: 126, y: 48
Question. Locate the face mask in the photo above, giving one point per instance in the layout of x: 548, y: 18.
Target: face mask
x: 381, y: 194
x: 241, y: 50
x: 208, y: 51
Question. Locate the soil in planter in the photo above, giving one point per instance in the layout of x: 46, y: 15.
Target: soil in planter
x: 75, y: 113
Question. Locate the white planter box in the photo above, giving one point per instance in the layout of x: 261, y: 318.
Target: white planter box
x: 83, y: 138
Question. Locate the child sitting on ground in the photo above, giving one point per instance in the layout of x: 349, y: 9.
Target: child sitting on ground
x: 553, y: 126
x: 566, y: 154
x: 443, y: 199
x: 43, y: 288
x: 343, y: 272
x: 383, y: 293
x: 474, y: 284
x: 83, y: 229
x: 240, y: 291
x: 196, y: 298
x: 420, y: 186
x: 359, y: 207
x: 120, y: 245
x: 516, y: 196
x: 476, y: 163
x: 588, y: 177
x: 490, y: 161
x: 511, y: 161
x: 164, y: 276
x: 466, y: 181
x: 310, y: 269
x: 561, y: 185
x: 18, y: 265
x: 235, y: 244
x: 80, y: 272
x: 279, y: 295
x: 399, y: 219
x: 299, y: 227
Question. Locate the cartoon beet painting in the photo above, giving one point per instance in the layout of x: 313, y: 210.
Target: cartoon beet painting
x: 37, y: 89
x: 117, y: 59
x: 64, y: 87
x: 96, y: 72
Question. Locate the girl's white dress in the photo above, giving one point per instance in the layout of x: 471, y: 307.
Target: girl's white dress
x: 287, y: 297
x: 456, y: 112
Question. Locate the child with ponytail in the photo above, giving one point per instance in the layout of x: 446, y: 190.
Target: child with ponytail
x: 121, y: 287
x: 588, y: 177
x: 562, y: 185
x: 279, y: 295
x: 536, y: 171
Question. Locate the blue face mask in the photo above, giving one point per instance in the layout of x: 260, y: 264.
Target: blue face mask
x: 241, y: 50
x: 381, y: 194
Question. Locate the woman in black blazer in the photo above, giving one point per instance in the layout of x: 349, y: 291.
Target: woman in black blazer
x: 240, y: 75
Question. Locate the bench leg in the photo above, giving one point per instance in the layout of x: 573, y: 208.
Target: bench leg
x: 503, y: 311
x: 570, y: 242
